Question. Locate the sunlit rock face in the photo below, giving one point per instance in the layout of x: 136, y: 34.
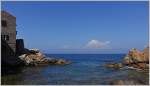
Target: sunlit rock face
x: 137, y: 59
x: 34, y: 57
x: 134, y: 59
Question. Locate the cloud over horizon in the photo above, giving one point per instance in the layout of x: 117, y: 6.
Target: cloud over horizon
x: 92, y: 44
x: 96, y: 44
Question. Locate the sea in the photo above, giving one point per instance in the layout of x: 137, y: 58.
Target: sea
x: 85, y: 69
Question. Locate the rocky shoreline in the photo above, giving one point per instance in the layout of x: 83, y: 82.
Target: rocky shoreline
x: 13, y: 62
x: 34, y: 57
x: 135, y: 60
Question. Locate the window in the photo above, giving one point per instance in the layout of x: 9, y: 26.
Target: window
x: 5, y: 37
x: 4, y: 23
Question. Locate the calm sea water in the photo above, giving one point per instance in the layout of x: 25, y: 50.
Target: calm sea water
x: 85, y: 69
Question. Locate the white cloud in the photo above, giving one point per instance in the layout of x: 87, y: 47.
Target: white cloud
x: 92, y: 44
x: 96, y: 44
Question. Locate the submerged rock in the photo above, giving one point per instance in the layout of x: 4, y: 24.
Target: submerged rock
x: 62, y: 61
x: 114, y: 65
x: 127, y: 82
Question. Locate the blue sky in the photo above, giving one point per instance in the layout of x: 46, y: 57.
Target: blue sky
x: 81, y: 27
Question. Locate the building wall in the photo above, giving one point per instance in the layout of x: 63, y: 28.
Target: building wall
x: 19, y: 46
x: 8, y: 31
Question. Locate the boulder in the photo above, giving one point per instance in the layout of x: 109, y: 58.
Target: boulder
x: 114, y: 65
x: 61, y: 62
x: 145, y: 53
x: 135, y: 56
x: 141, y: 65
x: 127, y: 82
x: 35, y: 57
x: 49, y: 61
x: 34, y: 50
x: 127, y: 60
x: 137, y: 59
x: 22, y: 56
x: 39, y: 56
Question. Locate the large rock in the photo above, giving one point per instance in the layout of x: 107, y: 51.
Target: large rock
x: 139, y: 56
x: 35, y: 57
x: 127, y: 60
x: 61, y: 62
x: 137, y: 59
x: 145, y: 54
x: 127, y: 82
x: 39, y: 56
x: 135, y: 55
x: 114, y: 65
x: 34, y: 50
x: 31, y: 57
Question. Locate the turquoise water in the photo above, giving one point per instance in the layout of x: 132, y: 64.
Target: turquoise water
x: 85, y: 69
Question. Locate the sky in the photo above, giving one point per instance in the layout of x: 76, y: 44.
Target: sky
x: 81, y: 27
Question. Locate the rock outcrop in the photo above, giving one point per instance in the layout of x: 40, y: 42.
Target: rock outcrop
x: 127, y: 82
x: 34, y: 57
x: 114, y: 65
x: 135, y: 58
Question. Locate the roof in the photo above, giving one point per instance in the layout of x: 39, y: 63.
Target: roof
x: 5, y: 12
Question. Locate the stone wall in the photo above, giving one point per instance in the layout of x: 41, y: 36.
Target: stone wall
x: 8, y: 29
x: 9, y: 62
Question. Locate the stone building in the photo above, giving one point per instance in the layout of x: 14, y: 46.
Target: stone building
x: 8, y: 29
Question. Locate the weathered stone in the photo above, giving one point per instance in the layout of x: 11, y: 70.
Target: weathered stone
x: 141, y: 65
x: 137, y: 59
x: 8, y: 29
x: 145, y: 53
x: 22, y: 56
x: 115, y: 65
x: 137, y: 56
x: 61, y: 61
x: 34, y: 51
x: 127, y: 60
x: 127, y: 82
x: 37, y: 58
